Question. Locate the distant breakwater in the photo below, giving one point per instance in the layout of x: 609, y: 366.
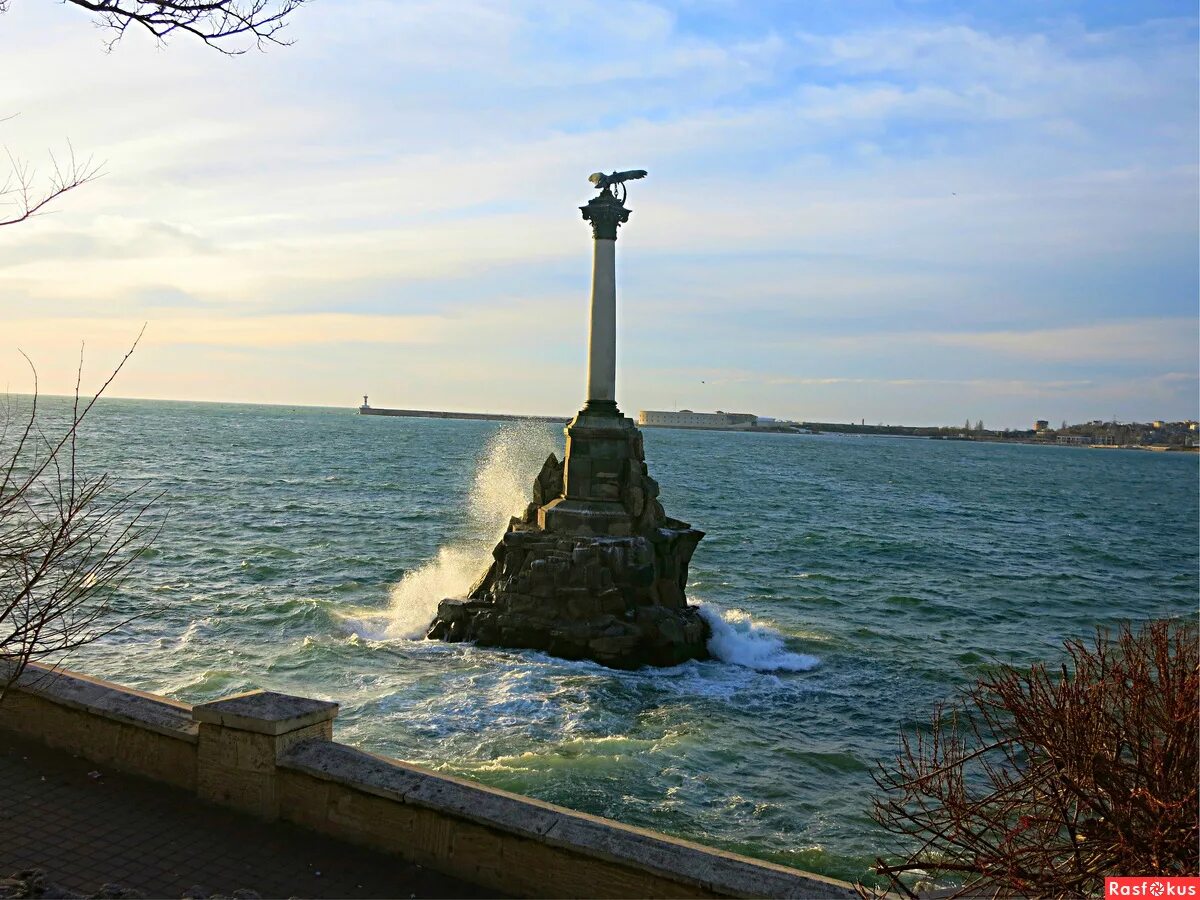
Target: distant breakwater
x: 441, y: 414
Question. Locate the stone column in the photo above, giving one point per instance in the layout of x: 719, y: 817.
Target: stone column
x: 602, y: 336
x: 606, y: 213
x: 600, y: 441
x: 594, y: 569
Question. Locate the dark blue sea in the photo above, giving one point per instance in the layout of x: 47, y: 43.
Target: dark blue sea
x: 852, y: 583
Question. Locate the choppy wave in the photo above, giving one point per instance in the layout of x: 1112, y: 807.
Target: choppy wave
x: 738, y: 639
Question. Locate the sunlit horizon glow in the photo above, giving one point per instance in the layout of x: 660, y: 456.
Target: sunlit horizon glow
x: 897, y: 212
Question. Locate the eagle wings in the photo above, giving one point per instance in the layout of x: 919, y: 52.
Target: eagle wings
x: 602, y: 181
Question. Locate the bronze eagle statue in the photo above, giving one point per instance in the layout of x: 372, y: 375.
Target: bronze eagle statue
x: 602, y: 181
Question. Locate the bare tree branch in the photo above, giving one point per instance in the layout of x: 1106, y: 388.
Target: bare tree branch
x: 230, y: 26
x: 21, y: 198
x: 67, y: 539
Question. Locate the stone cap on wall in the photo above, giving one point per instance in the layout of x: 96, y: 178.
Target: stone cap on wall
x: 103, y: 698
x: 265, y: 712
x: 714, y: 871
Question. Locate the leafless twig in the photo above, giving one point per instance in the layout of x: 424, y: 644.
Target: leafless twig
x: 220, y: 24
x: 67, y: 539
x: 20, y: 196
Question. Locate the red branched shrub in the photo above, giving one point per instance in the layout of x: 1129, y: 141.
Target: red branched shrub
x: 1044, y: 781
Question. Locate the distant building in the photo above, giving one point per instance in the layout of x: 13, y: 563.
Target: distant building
x: 1074, y: 439
x: 1041, y: 425
x: 685, y: 418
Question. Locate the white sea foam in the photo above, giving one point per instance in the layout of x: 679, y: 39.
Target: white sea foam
x: 501, y: 489
x: 738, y: 639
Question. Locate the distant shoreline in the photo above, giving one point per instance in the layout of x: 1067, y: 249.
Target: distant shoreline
x: 1157, y: 448
x: 803, y: 428
x: 815, y: 428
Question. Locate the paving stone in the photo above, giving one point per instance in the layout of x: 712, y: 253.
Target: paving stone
x: 159, y: 841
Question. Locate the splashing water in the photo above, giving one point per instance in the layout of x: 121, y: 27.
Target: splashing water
x: 501, y: 489
x: 738, y: 639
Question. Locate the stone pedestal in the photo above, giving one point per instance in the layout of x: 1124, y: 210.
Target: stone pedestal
x: 242, y: 738
x: 594, y: 568
x: 604, y: 487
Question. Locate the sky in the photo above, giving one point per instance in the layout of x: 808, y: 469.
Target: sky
x: 903, y: 212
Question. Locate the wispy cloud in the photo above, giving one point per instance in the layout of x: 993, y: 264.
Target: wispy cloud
x: 1169, y: 340
x: 251, y: 331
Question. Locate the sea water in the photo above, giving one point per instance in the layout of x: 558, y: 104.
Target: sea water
x: 850, y: 584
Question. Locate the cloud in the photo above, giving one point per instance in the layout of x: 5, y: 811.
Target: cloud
x: 247, y: 331
x: 1172, y: 340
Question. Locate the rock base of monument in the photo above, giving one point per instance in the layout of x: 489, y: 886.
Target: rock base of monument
x: 594, y: 569
x: 617, y: 601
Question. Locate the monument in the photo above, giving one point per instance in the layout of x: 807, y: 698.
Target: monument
x: 594, y: 568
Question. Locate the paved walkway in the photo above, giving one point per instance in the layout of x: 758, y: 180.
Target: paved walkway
x: 84, y: 831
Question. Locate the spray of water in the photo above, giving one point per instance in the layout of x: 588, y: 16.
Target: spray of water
x: 738, y: 639
x: 501, y: 489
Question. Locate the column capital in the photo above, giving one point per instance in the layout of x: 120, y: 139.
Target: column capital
x: 605, y: 212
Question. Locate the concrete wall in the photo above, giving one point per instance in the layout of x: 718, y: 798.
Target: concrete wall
x: 272, y: 755
x: 116, y: 726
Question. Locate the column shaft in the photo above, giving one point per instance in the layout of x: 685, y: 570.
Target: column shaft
x: 602, y: 339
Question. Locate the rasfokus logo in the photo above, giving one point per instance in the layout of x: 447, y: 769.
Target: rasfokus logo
x: 1153, y: 887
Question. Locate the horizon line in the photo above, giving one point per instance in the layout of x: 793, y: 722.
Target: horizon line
x: 355, y: 408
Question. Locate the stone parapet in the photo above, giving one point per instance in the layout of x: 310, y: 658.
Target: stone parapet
x: 272, y: 755
x: 127, y: 729
x: 94, y: 696
x: 515, y: 844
